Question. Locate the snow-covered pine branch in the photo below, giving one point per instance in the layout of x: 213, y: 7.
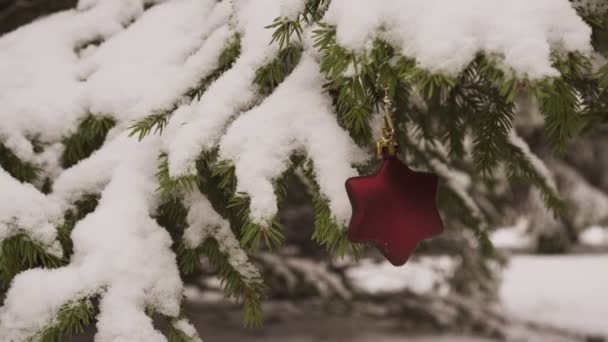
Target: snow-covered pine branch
x: 178, y: 122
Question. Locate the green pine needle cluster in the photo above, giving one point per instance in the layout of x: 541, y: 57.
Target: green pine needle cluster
x: 89, y: 137
x: 171, y: 187
x: 218, y: 182
x: 272, y: 74
x: 327, y: 232
x: 252, y: 234
x: 19, y: 253
x: 354, y: 99
x: 249, y: 292
x: 153, y: 123
x: 72, y: 319
x: 22, y: 171
x: 284, y: 28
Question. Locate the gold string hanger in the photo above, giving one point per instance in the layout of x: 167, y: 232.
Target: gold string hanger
x: 387, y: 141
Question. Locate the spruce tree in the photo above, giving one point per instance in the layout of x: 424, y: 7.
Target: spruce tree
x: 139, y: 137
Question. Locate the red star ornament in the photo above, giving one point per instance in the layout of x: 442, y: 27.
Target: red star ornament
x: 394, y: 209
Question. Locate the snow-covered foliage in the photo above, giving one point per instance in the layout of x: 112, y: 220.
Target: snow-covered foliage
x: 224, y: 108
x: 467, y: 26
x: 308, y: 127
x: 118, y: 250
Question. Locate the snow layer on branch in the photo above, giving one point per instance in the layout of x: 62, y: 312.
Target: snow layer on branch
x: 137, y: 70
x: 119, y: 251
x: 157, y: 59
x: 187, y: 329
x: 201, y: 126
x: 291, y: 8
x: 204, y: 222
x: 445, y: 36
x: 40, y: 88
x: 91, y: 175
x: 24, y: 209
x: 297, y: 117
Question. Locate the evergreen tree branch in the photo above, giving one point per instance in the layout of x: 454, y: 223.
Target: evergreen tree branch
x: 158, y: 120
x: 519, y: 166
x: 153, y: 123
x: 284, y: 28
x: 327, y: 232
x: 236, y: 205
x: 454, y: 198
x: 252, y: 234
x: 560, y: 101
x: 247, y: 291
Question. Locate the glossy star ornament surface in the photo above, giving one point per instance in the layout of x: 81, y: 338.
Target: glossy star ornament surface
x: 394, y: 209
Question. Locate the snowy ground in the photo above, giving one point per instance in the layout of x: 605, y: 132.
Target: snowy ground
x: 567, y: 291
x: 564, y: 291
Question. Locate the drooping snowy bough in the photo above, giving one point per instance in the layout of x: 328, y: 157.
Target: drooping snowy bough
x: 138, y: 136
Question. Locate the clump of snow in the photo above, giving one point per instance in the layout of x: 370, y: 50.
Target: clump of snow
x: 187, y: 329
x: 517, y: 236
x: 594, y: 236
x: 24, y: 209
x: 297, y: 117
x: 521, y: 34
x: 191, y: 131
x: 291, y: 8
x: 153, y: 63
x: 39, y: 60
x: 91, y: 175
x: 204, y: 222
x: 421, y: 276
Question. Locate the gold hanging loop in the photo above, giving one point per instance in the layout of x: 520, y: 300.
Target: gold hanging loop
x: 387, y: 141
